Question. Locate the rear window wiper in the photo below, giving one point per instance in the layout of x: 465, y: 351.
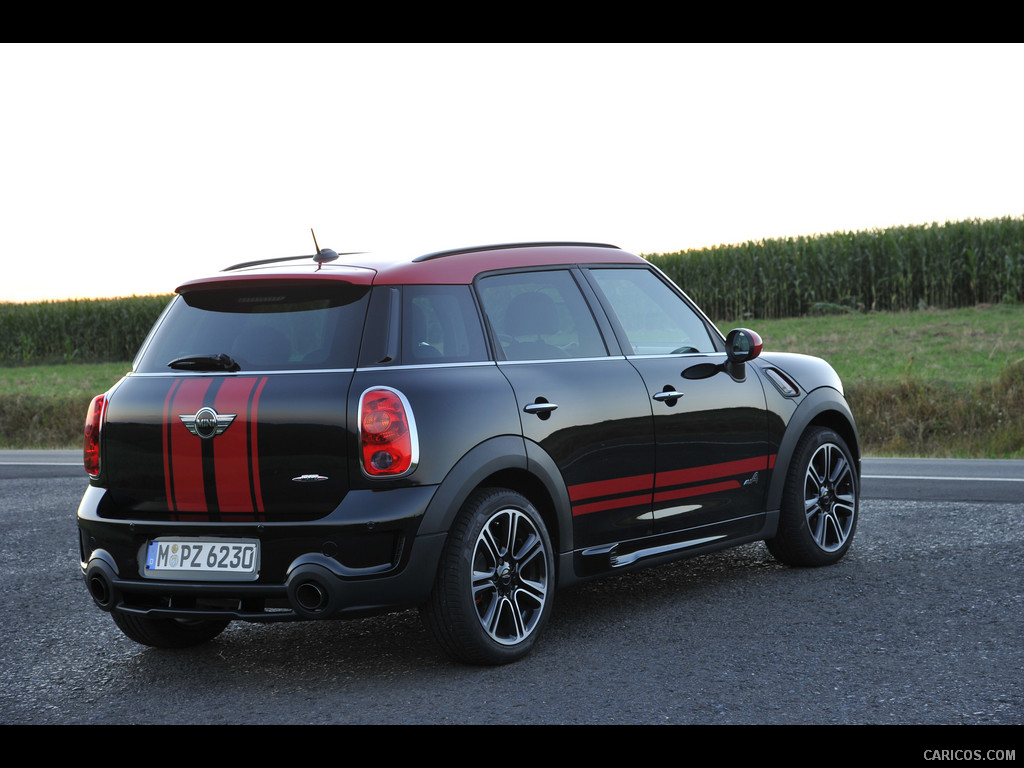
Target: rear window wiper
x: 219, y: 362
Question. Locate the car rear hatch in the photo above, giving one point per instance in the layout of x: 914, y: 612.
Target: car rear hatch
x: 235, y: 410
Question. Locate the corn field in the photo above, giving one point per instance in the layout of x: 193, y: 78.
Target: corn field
x: 76, y: 331
x: 903, y: 268
x: 898, y: 269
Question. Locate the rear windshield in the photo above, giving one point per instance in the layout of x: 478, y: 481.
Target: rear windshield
x: 271, y: 329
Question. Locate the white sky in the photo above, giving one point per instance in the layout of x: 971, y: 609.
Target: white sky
x: 128, y: 169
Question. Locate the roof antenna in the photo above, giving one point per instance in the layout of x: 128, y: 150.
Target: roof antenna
x: 322, y: 256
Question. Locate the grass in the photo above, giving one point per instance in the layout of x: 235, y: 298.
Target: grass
x: 965, y: 347
x: 43, y: 406
x: 61, y: 380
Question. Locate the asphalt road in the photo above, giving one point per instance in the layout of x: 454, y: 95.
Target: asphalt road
x: 920, y: 624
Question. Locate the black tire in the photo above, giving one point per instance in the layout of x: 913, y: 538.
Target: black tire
x: 495, y: 585
x: 820, y: 502
x: 168, y: 633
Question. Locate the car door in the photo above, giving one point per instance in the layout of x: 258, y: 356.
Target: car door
x: 586, y: 408
x: 710, y: 426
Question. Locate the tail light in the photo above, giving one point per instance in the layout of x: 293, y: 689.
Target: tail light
x: 93, y: 422
x: 387, y: 433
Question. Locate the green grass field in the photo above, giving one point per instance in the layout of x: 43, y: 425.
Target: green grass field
x: 43, y: 406
x: 74, y: 380
x: 925, y: 383
x: 960, y: 346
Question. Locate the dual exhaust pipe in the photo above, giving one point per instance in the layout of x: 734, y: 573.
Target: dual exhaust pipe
x: 314, y: 592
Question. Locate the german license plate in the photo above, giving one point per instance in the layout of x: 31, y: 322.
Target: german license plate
x: 216, y: 559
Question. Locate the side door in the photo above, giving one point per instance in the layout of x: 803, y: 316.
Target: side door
x: 711, y: 431
x: 582, y: 403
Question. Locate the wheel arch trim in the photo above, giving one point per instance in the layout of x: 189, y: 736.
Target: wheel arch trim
x: 508, y: 453
x: 822, y: 407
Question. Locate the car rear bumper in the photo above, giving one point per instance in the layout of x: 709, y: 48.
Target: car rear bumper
x: 365, y: 557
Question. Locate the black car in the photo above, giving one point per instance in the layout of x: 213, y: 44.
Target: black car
x: 462, y: 431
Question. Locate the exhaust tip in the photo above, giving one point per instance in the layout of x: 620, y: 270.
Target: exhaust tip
x: 314, y: 592
x: 100, y: 590
x: 99, y: 580
x: 311, y: 596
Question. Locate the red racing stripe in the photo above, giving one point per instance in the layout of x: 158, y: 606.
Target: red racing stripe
x: 231, y: 449
x: 166, y: 445
x: 257, y: 494
x: 185, y: 450
x: 601, y: 506
x: 712, y: 471
x: 609, y: 487
x: 664, y: 480
x: 696, y: 490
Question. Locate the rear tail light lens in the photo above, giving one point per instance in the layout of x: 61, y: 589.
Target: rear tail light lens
x: 387, y: 433
x: 93, y: 423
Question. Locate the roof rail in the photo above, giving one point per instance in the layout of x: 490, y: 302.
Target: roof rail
x: 505, y: 246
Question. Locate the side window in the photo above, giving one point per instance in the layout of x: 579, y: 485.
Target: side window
x: 540, y: 316
x: 655, y: 319
x: 440, y: 324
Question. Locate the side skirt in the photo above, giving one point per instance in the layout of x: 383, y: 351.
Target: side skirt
x: 619, y: 557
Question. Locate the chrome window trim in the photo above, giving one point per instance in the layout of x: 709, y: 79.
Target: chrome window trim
x: 420, y: 366
x: 681, y: 355
x: 243, y: 373
x: 562, y: 360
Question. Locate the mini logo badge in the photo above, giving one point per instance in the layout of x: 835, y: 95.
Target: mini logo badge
x: 206, y: 422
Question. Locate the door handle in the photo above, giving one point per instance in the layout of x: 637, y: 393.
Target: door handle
x: 670, y: 394
x: 540, y: 409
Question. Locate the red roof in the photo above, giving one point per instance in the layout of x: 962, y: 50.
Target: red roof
x: 441, y: 268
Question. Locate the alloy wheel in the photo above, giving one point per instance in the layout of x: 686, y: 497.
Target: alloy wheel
x: 830, y: 500
x: 510, y: 578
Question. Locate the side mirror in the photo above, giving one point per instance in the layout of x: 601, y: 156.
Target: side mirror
x: 741, y: 346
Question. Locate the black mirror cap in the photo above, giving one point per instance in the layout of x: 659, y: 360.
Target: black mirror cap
x: 742, y: 345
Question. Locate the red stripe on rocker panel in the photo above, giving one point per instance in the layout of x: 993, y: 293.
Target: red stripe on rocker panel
x: 603, y: 506
x: 712, y: 471
x: 231, y: 449
x: 696, y: 490
x: 185, y: 449
x: 610, y: 487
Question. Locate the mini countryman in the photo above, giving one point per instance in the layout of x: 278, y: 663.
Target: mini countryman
x: 463, y: 431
